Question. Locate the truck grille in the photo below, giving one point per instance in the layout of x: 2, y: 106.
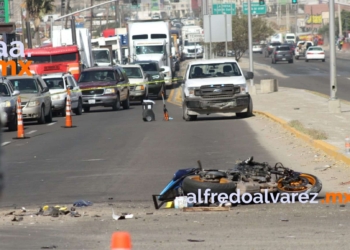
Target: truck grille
x: 192, y: 50
x: 217, y: 91
x: 132, y: 87
x: 93, y: 92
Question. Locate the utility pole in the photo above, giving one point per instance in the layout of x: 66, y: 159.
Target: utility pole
x: 312, y: 20
x: 116, y: 10
x: 287, y: 18
x: 333, y: 103
x: 296, y: 18
x: 92, y: 15
x: 339, y: 20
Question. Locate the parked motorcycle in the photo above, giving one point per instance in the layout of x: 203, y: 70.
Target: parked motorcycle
x: 247, y: 176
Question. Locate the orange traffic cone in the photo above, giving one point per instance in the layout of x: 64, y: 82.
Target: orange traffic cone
x: 121, y: 241
x: 68, y: 111
x: 20, y: 126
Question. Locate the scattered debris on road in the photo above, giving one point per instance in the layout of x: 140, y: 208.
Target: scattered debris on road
x: 82, y: 203
x: 121, y: 217
x: 17, y: 218
x: 49, y: 247
x: 190, y: 240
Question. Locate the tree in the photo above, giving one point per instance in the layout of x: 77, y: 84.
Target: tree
x: 36, y: 9
x: 239, y: 44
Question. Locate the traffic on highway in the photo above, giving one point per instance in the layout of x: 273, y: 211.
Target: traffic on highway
x: 146, y: 131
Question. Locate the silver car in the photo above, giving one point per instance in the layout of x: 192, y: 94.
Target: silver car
x: 35, y: 97
x: 138, y: 82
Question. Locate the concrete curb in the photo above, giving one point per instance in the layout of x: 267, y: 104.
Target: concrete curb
x: 319, y: 144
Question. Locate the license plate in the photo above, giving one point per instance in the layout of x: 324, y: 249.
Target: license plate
x: 283, y: 58
x: 92, y: 101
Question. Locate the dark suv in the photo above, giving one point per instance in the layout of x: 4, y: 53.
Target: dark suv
x: 156, y: 77
x: 104, y: 86
x: 269, y: 48
x: 282, y: 53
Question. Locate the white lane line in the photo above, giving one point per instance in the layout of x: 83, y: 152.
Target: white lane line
x: 50, y: 124
x: 348, y: 78
x: 93, y: 160
x: 5, y: 143
x: 31, y: 132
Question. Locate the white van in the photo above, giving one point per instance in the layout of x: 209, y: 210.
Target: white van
x: 278, y: 37
x: 290, y: 37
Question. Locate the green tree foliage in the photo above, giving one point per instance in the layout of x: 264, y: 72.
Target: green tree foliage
x: 239, y: 44
x: 36, y: 10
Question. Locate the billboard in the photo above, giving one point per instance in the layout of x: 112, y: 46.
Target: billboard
x: 4, y: 11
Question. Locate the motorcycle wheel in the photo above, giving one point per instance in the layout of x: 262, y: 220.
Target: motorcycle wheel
x: 194, y: 183
x: 307, y: 183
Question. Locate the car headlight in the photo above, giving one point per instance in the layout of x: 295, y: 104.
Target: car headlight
x: 155, y: 76
x: 5, y: 104
x: 109, y: 91
x: 244, y: 88
x: 191, y: 91
x: 33, y: 103
x: 140, y: 87
x: 57, y: 97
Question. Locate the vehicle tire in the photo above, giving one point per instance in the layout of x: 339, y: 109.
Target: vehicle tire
x: 316, y: 185
x: 323, y: 60
x: 116, y: 105
x: 164, y: 89
x: 63, y: 112
x: 290, y: 61
x: 193, y: 183
x: 48, y: 118
x: 186, y: 116
x: 12, y: 126
x: 126, y: 103
x: 79, y: 109
x: 41, y: 119
x: 306, y: 60
x: 86, y: 109
x: 249, y: 111
x: 297, y: 57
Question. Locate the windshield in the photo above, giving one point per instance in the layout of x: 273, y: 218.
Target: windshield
x: 4, y: 91
x: 101, y: 56
x: 25, y: 85
x: 290, y: 37
x: 133, y: 72
x: 187, y: 43
x: 148, y: 66
x: 55, y: 58
x: 97, y: 76
x: 54, y: 83
x: 151, y: 49
x: 214, y: 70
x: 285, y: 48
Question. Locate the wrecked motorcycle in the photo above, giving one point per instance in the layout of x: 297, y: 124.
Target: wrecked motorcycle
x: 246, y: 176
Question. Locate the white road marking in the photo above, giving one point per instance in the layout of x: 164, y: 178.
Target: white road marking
x: 348, y: 78
x: 94, y: 160
x: 50, y: 124
x: 5, y: 143
x: 31, y: 132
x: 317, y: 69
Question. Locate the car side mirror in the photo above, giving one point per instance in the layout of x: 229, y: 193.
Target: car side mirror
x: 46, y: 89
x: 70, y: 87
x: 161, y: 69
x: 249, y: 75
x: 16, y: 92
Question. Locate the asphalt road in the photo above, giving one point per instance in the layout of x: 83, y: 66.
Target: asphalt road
x: 312, y: 75
x: 116, y: 154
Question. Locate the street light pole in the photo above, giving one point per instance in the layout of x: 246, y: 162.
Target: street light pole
x: 334, y: 103
x: 250, y: 51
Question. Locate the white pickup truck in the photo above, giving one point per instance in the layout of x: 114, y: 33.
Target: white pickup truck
x: 301, y: 47
x: 216, y: 86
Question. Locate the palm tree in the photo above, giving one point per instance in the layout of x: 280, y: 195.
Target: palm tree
x: 36, y: 9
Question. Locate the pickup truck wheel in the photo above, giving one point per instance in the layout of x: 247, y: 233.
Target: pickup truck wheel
x: 249, y: 111
x: 185, y: 114
x: 48, y: 118
x: 79, y: 109
x: 41, y: 119
x: 116, y: 105
x: 126, y: 103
